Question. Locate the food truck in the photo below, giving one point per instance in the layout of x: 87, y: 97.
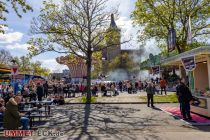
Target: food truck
x: 197, y: 65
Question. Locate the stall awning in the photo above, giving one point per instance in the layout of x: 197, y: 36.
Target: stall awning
x: 199, y: 53
x: 5, y: 71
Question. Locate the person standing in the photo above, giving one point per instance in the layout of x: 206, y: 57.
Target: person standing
x: 150, y: 90
x: 39, y: 91
x: 163, y: 86
x: 45, y: 86
x: 184, y: 97
x: 121, y: 86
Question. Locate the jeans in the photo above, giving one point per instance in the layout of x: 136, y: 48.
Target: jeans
x: 162, y: 89
x: 25, y: 123
x: 185, y: 108
x: 150, y: 97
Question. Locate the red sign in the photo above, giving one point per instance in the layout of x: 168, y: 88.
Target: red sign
x: 14, y: 70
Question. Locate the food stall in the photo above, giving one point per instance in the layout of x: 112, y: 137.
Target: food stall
x: 198, y: 76
x: 24, y: 79
x: 5, y: 76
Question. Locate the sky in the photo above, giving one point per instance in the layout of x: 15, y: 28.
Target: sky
x: 18, y: 32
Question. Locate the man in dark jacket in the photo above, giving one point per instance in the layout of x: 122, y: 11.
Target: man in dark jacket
x: 150, y: 92
x: 39, y: 92
x: 185, y: 97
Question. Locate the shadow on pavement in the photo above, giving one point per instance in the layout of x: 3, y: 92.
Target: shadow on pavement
x: 97, y: 121
x: 92, y: 122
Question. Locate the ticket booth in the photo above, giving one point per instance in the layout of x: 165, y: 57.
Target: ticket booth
x: 199, y: 77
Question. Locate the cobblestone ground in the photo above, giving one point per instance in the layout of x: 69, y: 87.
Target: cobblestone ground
x: 119, y: 122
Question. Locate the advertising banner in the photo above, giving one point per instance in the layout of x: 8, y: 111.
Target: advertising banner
x: 171, y: 39
x: 156, y: 70
x: 189, y: 63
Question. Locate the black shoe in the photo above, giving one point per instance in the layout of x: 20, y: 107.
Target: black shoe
x: 190, y: 118
x: 148, y: 106
x: 153, y: 106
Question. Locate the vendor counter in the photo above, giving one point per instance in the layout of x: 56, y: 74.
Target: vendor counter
x: 201, y: 105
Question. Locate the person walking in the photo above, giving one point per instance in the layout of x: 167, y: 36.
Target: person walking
x: 150, y: 90
x: 163, y: 86
x: 185, y: 98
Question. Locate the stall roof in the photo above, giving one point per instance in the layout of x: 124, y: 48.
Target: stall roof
x: 198, y: 52
x: 5, y: 71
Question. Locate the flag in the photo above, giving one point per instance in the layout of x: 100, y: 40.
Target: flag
x: 171, y: 39
x: 189, y: 32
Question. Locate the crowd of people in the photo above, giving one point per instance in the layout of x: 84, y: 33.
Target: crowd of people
x: 11, y: 104
x: 56, y: 92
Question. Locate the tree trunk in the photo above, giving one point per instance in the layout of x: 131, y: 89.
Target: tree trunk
x: 89, y: 60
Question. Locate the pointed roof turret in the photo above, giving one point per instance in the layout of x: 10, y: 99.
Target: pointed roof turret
x: 113, y: 24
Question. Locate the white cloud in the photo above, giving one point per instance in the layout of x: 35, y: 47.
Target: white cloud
x: 10, y: 37
x: 17, y: 46
x: 52, y: 65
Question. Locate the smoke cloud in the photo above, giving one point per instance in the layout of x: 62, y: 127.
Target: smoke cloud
x: 118, y: 75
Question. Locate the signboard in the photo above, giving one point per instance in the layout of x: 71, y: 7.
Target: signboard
x: 14, y: 70
x: 189, y: 63
x: 171, y: 39
x: 156, y: 69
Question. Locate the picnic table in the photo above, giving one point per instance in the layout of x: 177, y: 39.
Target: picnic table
x: 36, y: 112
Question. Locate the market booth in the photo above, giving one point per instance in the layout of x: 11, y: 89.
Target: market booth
x: 197, y: 64
x: 5, y: 75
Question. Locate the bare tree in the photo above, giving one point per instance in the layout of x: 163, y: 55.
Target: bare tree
x: 77, y: 27
x: 5, y: 57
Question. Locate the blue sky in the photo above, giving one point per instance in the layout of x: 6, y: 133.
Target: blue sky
x: 18, y: 31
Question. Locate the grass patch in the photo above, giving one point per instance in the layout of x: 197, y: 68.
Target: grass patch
x: 93, y: 99
x: 172, y: 98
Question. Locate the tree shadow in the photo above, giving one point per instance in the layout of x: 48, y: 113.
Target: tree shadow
x: 92, y: 122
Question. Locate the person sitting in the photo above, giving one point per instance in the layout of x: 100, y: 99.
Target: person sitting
x: 25, y: 92
x: 8, y: 96
x: 2, y: 109
x: 61, y: 100
x: 56, y: 99
x: 12, y: 117
x: 50, y: 97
